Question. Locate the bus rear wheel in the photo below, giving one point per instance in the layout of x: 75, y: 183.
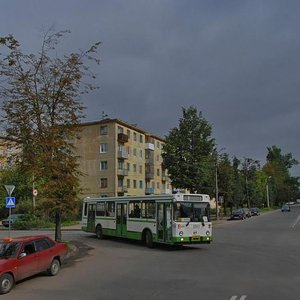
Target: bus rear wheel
x: 99, y: 233
x: 148, y: 239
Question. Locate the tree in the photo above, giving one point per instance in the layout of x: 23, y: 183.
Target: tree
x: 42, y: 110
x: 249, y: 169
x: 188, y: 150
x: 238, y: 195
x: 226, y: 180
x: 284, y: 187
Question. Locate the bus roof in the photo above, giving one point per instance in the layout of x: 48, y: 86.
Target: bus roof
x: 166, y: 197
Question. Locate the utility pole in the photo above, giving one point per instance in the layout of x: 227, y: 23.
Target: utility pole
x: 217, y: 190
x: 267, y: 190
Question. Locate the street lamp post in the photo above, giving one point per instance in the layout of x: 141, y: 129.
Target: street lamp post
x: 217, y: 186
x: 267, y: 190
x: 217, y: 191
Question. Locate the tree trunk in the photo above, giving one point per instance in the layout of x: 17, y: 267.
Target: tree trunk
x: 58, y: 236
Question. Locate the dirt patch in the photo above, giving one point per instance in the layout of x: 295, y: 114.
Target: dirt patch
x: 77, y: 251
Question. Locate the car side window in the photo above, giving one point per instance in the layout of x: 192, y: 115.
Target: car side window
x: 29, y: 248
x: 41, y: 245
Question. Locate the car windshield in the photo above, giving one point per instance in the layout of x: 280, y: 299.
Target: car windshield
x: 8, y: 250
x: 14, y: 217
x: 194, y: 211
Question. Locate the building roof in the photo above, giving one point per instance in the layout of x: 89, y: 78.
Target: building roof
x: 123, y: 123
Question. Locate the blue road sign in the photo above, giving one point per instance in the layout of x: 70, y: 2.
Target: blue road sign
x: 10, y: 202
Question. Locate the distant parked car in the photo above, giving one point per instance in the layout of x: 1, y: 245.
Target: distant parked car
x: 238, y: 214
x: 12, y: 219
x: 285, y: 207
x: 23, y: 257
x: 254, y: 211
x: 247, y: 212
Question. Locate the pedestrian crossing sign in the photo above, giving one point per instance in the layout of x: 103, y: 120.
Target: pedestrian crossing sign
x: 10, y: 202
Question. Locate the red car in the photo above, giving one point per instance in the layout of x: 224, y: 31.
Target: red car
x: 22, y: 257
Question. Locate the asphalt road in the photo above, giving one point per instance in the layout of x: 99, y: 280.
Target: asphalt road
x: 257, y: 258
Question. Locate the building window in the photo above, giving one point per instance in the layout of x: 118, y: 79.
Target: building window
x: 158, y: 172
x: 158, y: 145
x: 158, y: 185
x: 134, y: 168
x: 103, y: 165
x: 128, y: 133
x: 141, y: 169
x: 103, y: 183
x: 141, y: 184
x: 128, y: 183
x: 134, y: 136
x: 128, y: 167
x: 103, y: 130
x: 134, y: 151
x: 141, y: 153
x: 120, y: 182
x: 134, y: 184
x: 103, y: 148
x: 141, y: 138
x: 120, y: 129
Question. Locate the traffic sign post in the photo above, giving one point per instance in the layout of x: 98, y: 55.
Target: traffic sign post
x: 10, y: 202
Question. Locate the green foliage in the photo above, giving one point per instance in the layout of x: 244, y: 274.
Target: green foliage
x: 42, y: 111
x: 283, y: 187
x: 31, y: 221
x: 226, y: 180
x: 187, y: 153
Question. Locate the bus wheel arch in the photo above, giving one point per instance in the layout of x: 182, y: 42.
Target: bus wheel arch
x: 147, y: 238
x: 99, y: 232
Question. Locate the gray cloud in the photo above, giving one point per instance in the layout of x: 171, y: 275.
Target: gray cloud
x: 237, y: 61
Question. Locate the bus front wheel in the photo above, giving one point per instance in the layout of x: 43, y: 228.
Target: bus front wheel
x: 99, y: 233
x: 148, y: 239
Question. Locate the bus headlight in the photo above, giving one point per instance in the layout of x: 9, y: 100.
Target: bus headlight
x: 207, y: 232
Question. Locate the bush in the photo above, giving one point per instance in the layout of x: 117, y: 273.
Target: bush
x: 31, y: 221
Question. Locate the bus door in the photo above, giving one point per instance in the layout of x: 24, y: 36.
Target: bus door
x: 164, y: 222
x: 91, y: 217
x: 121, y: 219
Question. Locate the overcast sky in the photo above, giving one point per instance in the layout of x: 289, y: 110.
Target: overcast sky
x: 237, y: 61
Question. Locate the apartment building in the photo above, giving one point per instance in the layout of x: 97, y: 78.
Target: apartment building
x: 8, y: 152
x: 119, y: 159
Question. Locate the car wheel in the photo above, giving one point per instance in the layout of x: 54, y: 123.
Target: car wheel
x: 6, y: 283
x: 148, y: 239
x: 54, y: 267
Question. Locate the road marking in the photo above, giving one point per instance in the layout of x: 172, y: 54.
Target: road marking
x: 236, y: 297
x: 296, y: 222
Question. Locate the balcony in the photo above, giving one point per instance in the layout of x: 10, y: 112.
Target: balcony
x: 122, y: 138
x: 149, y: 175
x: 123, y: 154
x: 122, y: 172
x: 149, y: 191
x: 166, y: 191
x: 164, y: 177
x: 122, y: 189
x: 149, y: 161
x: 149, y: 146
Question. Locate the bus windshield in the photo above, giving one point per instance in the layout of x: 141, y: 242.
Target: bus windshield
x: 194, y: 211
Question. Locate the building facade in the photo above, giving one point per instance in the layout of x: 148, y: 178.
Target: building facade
x: 119, y: 159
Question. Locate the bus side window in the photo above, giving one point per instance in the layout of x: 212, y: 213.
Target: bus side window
x: 100, y: 209
x: 110, y: 209
x: 135, y: 209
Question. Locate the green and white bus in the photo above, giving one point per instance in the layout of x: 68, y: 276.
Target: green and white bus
x: 171, y: 219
